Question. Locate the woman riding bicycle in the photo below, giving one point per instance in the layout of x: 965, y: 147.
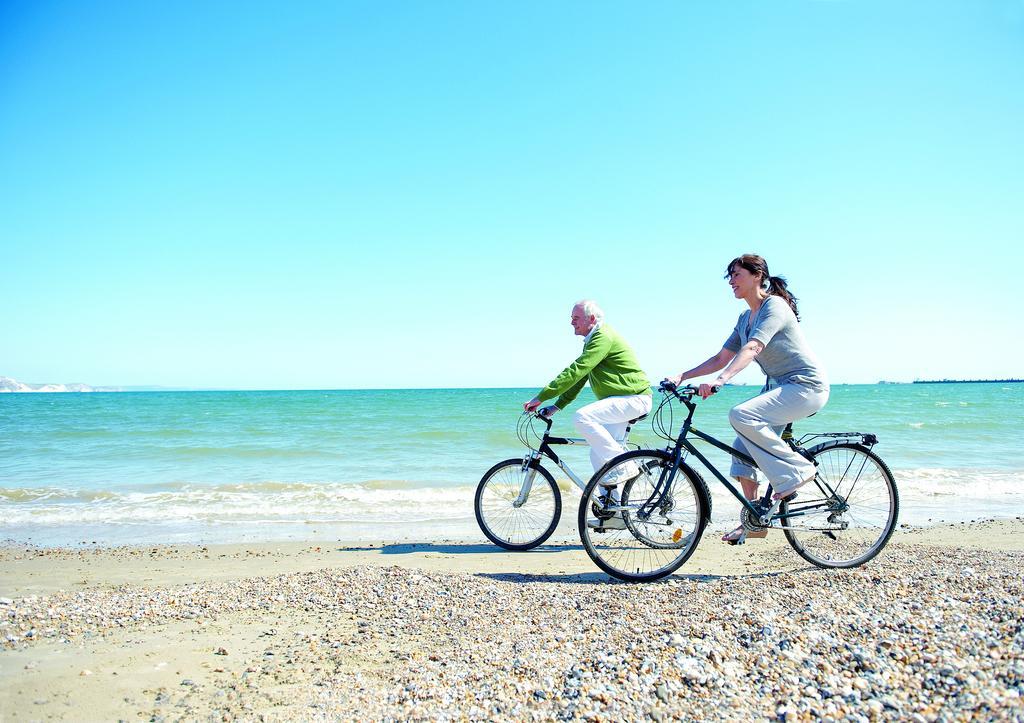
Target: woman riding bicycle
x: 797, y: 387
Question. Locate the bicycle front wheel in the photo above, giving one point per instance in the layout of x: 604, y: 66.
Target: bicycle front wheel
x: 517, y: 506
x: 847, y: 515
x: 642, y: 535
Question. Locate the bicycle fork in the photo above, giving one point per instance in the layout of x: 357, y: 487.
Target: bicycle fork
x: 531, y: 472
x: 665, y: 479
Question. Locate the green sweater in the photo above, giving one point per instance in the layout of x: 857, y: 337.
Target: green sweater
x: 610, y: 365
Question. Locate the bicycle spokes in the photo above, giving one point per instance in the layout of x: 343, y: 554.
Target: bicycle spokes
x: 653, y: 529
x: 851, y: 522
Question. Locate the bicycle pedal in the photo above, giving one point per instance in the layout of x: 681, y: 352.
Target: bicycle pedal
x: 738, y: 542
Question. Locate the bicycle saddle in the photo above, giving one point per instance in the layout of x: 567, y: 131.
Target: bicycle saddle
x: 638, y: 419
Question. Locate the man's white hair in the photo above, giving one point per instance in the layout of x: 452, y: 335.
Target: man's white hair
x: 590, y: 308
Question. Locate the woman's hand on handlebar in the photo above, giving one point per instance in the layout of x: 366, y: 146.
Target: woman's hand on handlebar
x: 671, y: 384
x: 706, y: 390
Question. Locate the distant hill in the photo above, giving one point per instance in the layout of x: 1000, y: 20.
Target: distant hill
x: 13, y: 385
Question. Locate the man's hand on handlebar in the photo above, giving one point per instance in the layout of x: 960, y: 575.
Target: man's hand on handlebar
x: 671, y: 383
x: 532, y: 406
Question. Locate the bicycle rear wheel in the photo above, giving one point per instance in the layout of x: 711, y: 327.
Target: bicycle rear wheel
x: 636, y: 539
x: 506, y: 525
x: 847, y: 515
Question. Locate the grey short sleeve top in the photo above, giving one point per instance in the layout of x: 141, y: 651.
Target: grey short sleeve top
x: 786, y: 359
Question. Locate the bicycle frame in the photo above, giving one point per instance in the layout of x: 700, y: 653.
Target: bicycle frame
x: 683, y: 444
x: 761, y: 509
x: 545, y: 450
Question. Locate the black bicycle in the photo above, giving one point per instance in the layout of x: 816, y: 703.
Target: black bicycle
x: 517, y: 502
x: 842, y: 519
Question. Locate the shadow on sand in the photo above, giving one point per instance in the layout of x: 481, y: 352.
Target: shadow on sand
x: 574, y: 578
x: 456, y: 549
x: 591, y: 578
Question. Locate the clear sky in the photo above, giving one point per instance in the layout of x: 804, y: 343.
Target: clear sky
x: 413, y: 194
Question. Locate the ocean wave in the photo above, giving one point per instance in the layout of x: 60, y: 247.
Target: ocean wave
x: 386, y: 500
x: 32, y: 494
x: 951, y: 493
x: 396, y: 504
x: 967, y: 482
x: 52, y: 494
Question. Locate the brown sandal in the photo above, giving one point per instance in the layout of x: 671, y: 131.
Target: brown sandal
x: 737, y: 536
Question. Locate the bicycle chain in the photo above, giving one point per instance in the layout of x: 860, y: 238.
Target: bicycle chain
x: 749, y: 522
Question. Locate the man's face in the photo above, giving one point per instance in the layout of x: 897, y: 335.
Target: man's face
x: 581, y: 323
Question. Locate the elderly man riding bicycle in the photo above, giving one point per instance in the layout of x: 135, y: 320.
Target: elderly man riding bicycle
x: 620, y: 385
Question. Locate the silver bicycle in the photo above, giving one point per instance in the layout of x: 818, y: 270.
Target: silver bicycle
x: 517, y: 502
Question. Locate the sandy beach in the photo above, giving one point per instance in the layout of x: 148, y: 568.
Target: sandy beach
x: 931, y: 630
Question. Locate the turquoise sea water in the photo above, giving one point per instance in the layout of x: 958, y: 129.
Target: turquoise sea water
x: 151, y: 467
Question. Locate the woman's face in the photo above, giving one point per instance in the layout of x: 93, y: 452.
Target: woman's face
x: 743, y: 282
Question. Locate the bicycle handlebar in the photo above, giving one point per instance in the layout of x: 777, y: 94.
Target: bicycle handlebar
x: 547, y: 420
x: 689, y: 390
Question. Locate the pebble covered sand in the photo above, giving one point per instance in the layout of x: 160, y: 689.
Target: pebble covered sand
x: 923, y: 633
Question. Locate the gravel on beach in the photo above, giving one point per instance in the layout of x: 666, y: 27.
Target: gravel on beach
x: 923, y: 633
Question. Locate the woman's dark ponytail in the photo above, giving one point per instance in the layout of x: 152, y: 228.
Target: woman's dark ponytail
x: 777, y: 287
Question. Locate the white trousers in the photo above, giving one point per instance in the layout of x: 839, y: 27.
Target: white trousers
x: 759, y: 421
x: 603, y: 423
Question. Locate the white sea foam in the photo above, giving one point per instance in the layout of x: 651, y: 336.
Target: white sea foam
x: 394, y: 509
x: 929, y: 495
x: 994, y: 485
x: 266, y: 502
x: 351, y: 513
x: 380, y: 510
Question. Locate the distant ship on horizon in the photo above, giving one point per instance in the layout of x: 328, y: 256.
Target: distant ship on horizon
x: 968, y: 381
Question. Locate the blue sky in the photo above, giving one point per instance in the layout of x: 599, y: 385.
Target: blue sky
x: 413, y: 194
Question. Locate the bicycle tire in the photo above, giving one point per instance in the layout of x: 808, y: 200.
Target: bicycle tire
x: 851, y: 527
x: 646, y: 548
x: 517, y: 528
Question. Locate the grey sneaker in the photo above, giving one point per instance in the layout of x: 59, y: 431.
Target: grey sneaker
x: 615, y: 522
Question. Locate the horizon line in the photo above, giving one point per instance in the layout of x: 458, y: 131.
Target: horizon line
x: 142, y: 389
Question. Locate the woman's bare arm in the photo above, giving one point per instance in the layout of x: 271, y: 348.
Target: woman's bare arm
x: 740, y: 362
x: 714, y: 364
